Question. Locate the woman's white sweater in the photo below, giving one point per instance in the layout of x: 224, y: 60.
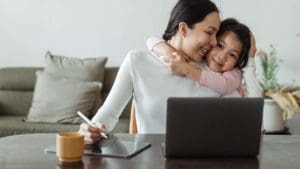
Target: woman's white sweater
x: 143, y: 76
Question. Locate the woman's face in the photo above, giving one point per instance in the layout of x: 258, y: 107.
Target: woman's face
x: 224, y: 56
x: 201, y: 38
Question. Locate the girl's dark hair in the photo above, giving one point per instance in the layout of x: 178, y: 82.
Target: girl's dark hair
x: 190, y: 12
x: 243, y: 34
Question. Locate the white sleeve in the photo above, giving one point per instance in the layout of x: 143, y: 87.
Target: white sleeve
x: 118, y: 97
x: 253, y: 88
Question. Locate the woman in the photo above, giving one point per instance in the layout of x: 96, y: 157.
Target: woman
x: 193, y: 26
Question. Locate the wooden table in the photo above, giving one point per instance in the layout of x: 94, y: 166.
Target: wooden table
x: 27, y: 152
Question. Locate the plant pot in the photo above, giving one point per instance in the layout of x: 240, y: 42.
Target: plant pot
x: 272, y: 116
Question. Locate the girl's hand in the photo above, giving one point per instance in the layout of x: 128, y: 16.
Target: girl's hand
x: 92, y: 134
x: 165, y: 51
x: 252, y: 50
x: 177, y: 64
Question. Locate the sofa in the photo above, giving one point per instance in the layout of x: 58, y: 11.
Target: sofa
x: 16, y: 92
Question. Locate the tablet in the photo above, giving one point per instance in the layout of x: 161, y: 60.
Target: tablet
x: 112, y: 147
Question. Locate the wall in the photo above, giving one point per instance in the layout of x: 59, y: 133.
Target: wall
x: 89, y: 28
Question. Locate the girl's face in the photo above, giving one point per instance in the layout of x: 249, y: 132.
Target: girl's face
x: 225, y: 55
x: 196, y: 42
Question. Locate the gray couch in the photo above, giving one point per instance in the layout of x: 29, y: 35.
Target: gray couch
x: 16, y: 91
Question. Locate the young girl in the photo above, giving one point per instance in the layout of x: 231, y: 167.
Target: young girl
x: 221, y: 70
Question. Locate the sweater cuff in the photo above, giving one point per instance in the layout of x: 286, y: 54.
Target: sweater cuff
x: 203, y: 77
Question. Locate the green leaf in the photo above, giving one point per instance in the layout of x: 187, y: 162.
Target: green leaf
x: 270, y: 67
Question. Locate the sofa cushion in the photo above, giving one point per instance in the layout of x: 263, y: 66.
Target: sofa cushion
x: 57, y: 99
x: 11, y: 125
x: 89, y: 69
x: 18, y: 78
x: 14, y: 102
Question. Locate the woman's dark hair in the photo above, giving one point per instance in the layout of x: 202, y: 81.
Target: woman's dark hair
x: 243, y: 34
x: 190, y: 12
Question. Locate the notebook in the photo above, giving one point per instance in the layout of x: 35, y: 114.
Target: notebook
x: 112, y: 147
x: 213, y: 127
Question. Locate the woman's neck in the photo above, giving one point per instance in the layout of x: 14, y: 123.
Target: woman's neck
x: 176, y: 43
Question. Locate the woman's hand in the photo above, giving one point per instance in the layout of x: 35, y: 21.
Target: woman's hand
x: 92, y: 134
x: 252, y: 50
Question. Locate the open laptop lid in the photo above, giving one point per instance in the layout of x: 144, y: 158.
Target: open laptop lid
x: 213, y: 127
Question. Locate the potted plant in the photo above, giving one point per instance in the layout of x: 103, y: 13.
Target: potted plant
x: 281, y: 102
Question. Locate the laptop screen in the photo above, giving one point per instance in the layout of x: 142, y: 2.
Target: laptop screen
x: 213, y: 126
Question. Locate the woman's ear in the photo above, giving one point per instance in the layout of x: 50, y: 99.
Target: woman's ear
x: 182, y: 29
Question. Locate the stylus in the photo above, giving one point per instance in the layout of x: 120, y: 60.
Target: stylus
x: 90, y: 123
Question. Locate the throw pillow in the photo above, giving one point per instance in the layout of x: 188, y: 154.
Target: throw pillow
x: 89, y: 69
x: 57, y: 99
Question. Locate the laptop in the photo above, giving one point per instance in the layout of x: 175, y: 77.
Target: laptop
x: 213, y: 127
